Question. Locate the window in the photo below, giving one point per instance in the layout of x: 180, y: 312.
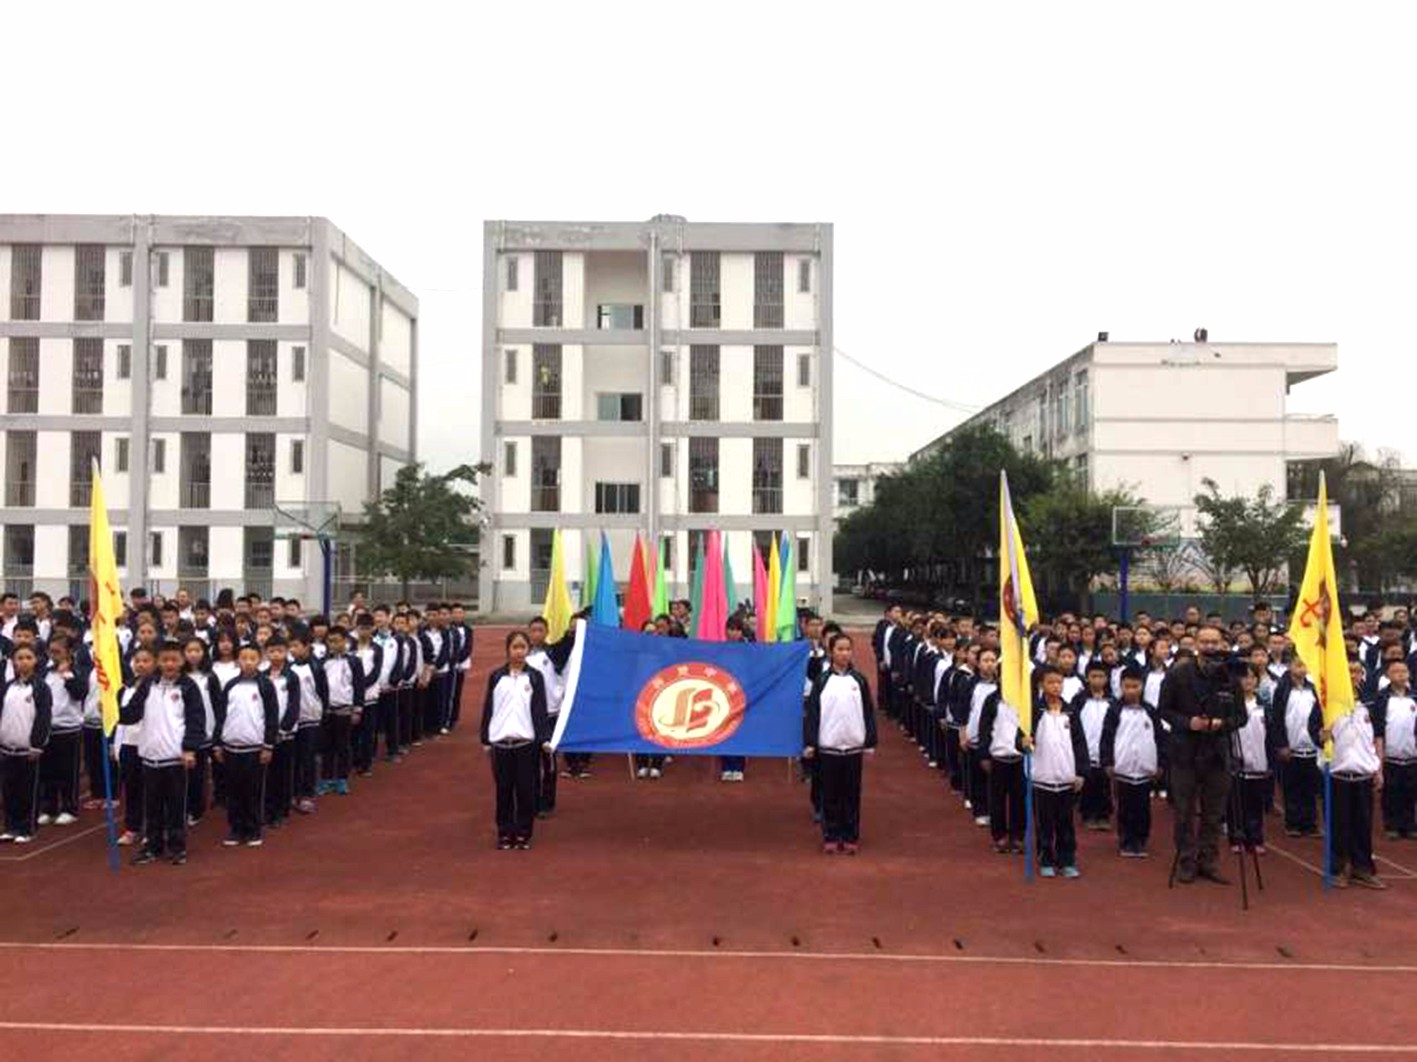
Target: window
x: 619, y: 406
x: 804, y: 555
x: 666, y: 367
x: 297, y: 364
x: 546, y: 293
x: 88, y: 376
x: 125, y: 361
x: 546, y: 382
x: 666, y: 552
x: 26, y: 271
x: 621, y: 315
x: 1028, y: 444
x: 125, y: 269
x: 804, y: 461
x: 617, y: 497
x: 705, y: 307
x: 848, y: 493
x: 197, y: 377
x: 260, y: 470
x: 262, y: 284
x: 297, y: 457
x: 260, y: 377
x: 804, y: 275
x: 1080, y: 469
x: 160, y: 362
x: 510, y: 372
x: 1080, y: 402
x: 195, y: 480
x: 299, y: 270
x: 804, y: 370
x: 260, y: 550
x: 509, y: 459
x: 703, y: 383
x: 155, y: 549
x: 159, y: 456
x: 192, y: 551
x: 512, y: 263
x: 509, y: 551
x: 19, y: 550
x: 198, y: 282
x: 84, y: 451
x: 666, y: 460
x: 293, y: 558
x: 24, y: 375
x: 546, y: 474
x: 120, y: 454
x: 88, y: 282
x: 162, y: 270
x: 120, y: 549
x: 667, y: 272
x: 767, y: 289
x: 767, y: 475
x: 767, y: 383
x: 20, y: 450
x: 703, y: 474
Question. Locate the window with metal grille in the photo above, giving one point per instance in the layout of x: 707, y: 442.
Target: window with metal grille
x: 666, y: 460
x: 19, y: 550
x: 88, y: 282
x: 512, y: 278
x: 1080, y: 402
x: 260, y: 470
x: 848, y: 493
x: 159, y: 456
x: 509, y: 551
x: 767, y: 475
x: 20, y: 449
x: 198, y: 282
x: 260, y: 550
x: 160, y: 362
x: 804, y: 554
x: 804, y: 461
x: 666, y: 272
x: 85, y: 447
x: 619, y: 406
x: 120, y: 454
x: 293, y: 558
x: 299, y: 271
x: 26, y: 272
x: 509, y: 459
x: 195, y: 479
x: 509, y: 371
x: 88, y: 376
x: 703, y: 383
x: 767, y: 289
x: 125, y: 361
x: 666, y: 367
x: 120, y: 549
x: 546, y: 290
x: 197, y: 377
x: 125, y: 269
x: 193, y: 545
x: 804, y: 370
x: 546, y: 381
x: 261, y: 377
x: 804, y: 275
x: 703, y: 474
x: 621, y: 315
x: 163, y: 258
x: 546, y: 474
x: 767, y: 383
x: 705, y: 298
x: 617, y: 497
x: 297, y: 364
x: 666, y: 552
x: 262, y: 284
x: 155, y: 549
x: 23, y: 389
x: 297, y: 457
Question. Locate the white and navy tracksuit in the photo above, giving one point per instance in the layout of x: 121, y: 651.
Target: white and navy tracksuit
x: 1254, y: 740
x: 956, y: 692
x: 247, y: 724
x: 345, y: 679
x: 1398, y: 712
x: 1289, y: 724
x: 461, y: 662
x: 514, y: 727
x: 130, y: 766
x: 173, y: 721
x: 1059, y: 760
x: 59, y: 767
x: 1001, y: 749
x: 435, y: 645
x: 549, y: 660
x: 24, y: 730
x: 411, y: 693
x: 93, y: 736
x: 977, y: 783
x: 210, y: 687
x: 1095, y: 800
x: 280, y: 773
x: 390, y: 676
x: 840, y: 724
x: 817, y: 662
x: 1130, y: 748
x: 1355, y: 764
x: 309, y: 675
x: 366, y: 736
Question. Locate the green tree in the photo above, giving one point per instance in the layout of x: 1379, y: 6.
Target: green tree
x: 1366, y: 491
x: 420, y: 527
x: 1251, y: 535
x: 1069, y: 534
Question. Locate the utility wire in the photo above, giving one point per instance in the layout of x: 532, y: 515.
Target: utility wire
x: 961, y: 407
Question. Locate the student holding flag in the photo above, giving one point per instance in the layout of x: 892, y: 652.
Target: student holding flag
x: 1018, y: 613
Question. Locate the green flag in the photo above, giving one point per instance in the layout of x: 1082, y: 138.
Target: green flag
x: 661, y: 585
x: 730, y: 591
x: 787, y: 598
x: 696, y: 591
x: 592, y: 564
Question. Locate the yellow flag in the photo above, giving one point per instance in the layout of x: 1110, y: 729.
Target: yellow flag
x: 1316, y: 628
x: 774, y: 589
x: 107, y: 601
x: 557, y: 609
x: 1018, y: 611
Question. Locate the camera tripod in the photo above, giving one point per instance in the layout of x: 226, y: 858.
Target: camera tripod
x: 1236, y: 802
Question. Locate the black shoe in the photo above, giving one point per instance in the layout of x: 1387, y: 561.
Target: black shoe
x: 1212, y: 874
x: 1186, y: 874
x: 504, y: 844
x: 522, y: 844
x: 179, y: 860
x: 142, y: 859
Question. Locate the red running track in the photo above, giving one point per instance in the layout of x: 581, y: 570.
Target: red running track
x: 683, y: 918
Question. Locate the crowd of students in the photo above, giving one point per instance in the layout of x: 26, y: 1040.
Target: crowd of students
x: 249, y: 705
x: 1108, y: 698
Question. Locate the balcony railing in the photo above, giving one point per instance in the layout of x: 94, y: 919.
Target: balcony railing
x: 23, y: 399
x: 24, y: 307
x: 620, y: 316
x: 260, y: 400
x: 546, y: 407
x: 260, y: 495
x: 705, y: 311
x: 196, y: 495
x: 197, y: 307
x: 767, y: 407
x: 703, y: 500
x: 546, y: 313
x: 88, y: 400
x: 767, y: 499
x: 546, y: 499
x: 19, y: 492
x: 262, y: 308
x: 80, y: 494
x: 767, y: 315
x: 197, y: 401
x: 703, y: 407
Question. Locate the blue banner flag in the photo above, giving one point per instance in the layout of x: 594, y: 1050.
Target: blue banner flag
x: 632, y: 692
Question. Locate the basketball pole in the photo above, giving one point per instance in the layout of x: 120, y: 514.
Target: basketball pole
x: 1124, y: 580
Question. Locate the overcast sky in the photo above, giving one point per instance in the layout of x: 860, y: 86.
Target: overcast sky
x: 1005, y: 179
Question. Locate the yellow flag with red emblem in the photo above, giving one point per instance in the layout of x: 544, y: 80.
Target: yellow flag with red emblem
x: 1018, y: 613
x: 1316, y: 628
x: 107, y: 604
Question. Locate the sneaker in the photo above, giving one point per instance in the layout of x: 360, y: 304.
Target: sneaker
x: 323, y: 787
x: 1391, y: 835
x: 231, y: 841
x: 725, y: 776
x: 143, y: 858
x: 93, y: 804
x: 967, y: 805
x: 1047, y: 872
x: 1236, y: 849
x: 1001, y: 848
x: 523, y: 844
x: 1367, y: 881
x: 127, y: 838
x: 642, y: 772
x: 44, y: 820
x: 1340, y: 881
x: 24, y: 838
x: 255, y: 842
x: 179, y: 860
x: 1072, y: 872
x: 342, y: 787
x: 443, y: 730
x: 566, y: 773
x: 1260, y: 849
x: 192, y: 820
x: 655, y: 772
x: 6, y: 838
x: 64, y: 818
x: 829, y: 848
x: 981, y: 820
x: 851, y: 848
x: 305, y: 806
x: 504, y: 844
x: 933, y: 763
x: 366, y: 773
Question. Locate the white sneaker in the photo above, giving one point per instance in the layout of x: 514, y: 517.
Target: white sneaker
x: 655, y: 772
x: 23, y: 838
x: 643, y: 772
x: 981, y: 820
x: 44, y: 820
x: 737, y: 776
x: 725, y: 776
x: 6, y: 837
x: 65, y: 819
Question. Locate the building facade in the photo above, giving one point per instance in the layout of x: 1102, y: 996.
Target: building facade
x: 220, y: 369
x: 1160, y: 418
x: 854, y: 486
x: 662, y: 377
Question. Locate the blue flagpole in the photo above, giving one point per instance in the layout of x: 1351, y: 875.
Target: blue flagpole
x: 1027, y: 816
x: 1328, y: 826
x: 108, y: 806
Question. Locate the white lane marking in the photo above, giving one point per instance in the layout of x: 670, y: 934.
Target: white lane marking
x: 49, y: 847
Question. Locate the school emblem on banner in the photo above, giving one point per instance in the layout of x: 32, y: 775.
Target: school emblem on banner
x: 689, y: 706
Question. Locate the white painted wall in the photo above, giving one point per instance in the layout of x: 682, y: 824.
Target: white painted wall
x: 573, y: 279
x: 56, y: 293
x: 163, y: 489
x: 290, y: 485
x: 516, y: 489
x: 798, y: 495
x: 56, y: 375
x: 735, y: 382
x: 167, y: 301
x: 6, y: 261
x: 117, y: 300
x: 393, y: 413
x: 799, y: 404
x: 396, y: 341
x: 229, y: 357
x: 294, y: 305
x: 350, y: 299
x: 735, y: 476
x: 612, y: 370
x: 232, y: 265
x: 613, y: 277
x: 117, y: 394
x: 573, y: 476
x: 349, y: 393
x: 388, y: 472
x: 52, y: 470
x: 228, y: 471
x: 800, y: 308
x: 612, y: 460
x: 736, y: 290
x: 226, y: 554
x: 51, y: 550
x: 573, y: 375
x: 514, y: 307
x: 168, y: 568
x: 347, y: 476
x: 291, y: 394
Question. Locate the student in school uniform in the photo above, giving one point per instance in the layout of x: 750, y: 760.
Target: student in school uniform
x: 1245, y: 814
x: 280, y: 773
x: 24, y: 731
x: 371, y: 663
x: 1059, y: 764
x: 550, y: 661
x: 309, y: 674
x: 957, y: 695
x: 461, y: 661
x: 731, y: 768
x: 1000, y: 757
x: 410, y: 720
x: 92, y: 738
x: 345, y: 678
x: 247, y: 726
x: 818, y: 660
x: 390, y: 676
x: 59, y: 768
x: 1397, y: 708
x: 839, y: 728
x: 1131, y: 755
x: 976, y: 781
x: 169, y: 706
x: 1067, y: 667
x: 1294, y: 698
x: 436, y: 654
x: 515, y: 729
x: 195, y: 666
x: 1356, y: 770
x: 1090, y: 707
x: 224, y: 668
x: 126, y: 738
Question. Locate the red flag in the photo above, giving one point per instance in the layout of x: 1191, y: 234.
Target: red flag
x: 760, y: 595
x: 637, y: 604
x: 715, y: 598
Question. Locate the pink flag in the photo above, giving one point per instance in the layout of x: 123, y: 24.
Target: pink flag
x: 714, y: 609
x: 760, y: 594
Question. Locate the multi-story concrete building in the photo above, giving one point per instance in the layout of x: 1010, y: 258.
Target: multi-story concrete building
x: 218, y: 367
x: 1160, y: 418
x: 661, y: 377
x: 854, y: 486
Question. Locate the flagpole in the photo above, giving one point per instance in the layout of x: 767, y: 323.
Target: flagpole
x: 1328, y: 825
x: 113, y: 861
x: 1027, y: 816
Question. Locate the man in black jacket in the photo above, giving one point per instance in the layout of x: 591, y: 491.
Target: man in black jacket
x: 1202, y: 702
